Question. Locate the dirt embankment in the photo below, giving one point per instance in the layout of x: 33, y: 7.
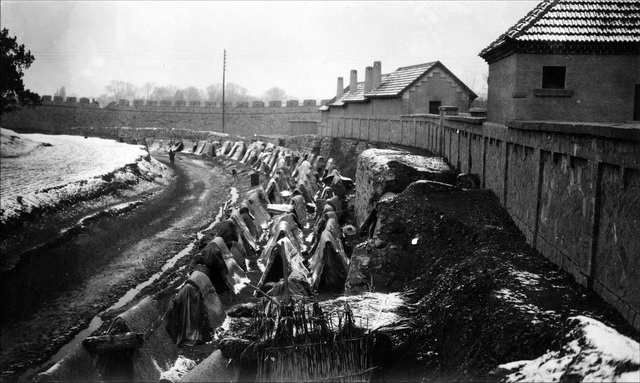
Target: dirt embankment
x: 482, y: 296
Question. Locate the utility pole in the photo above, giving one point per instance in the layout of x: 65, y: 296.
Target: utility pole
x: 224, y: 70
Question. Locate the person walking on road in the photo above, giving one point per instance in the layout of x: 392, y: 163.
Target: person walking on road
x: 172, y: 156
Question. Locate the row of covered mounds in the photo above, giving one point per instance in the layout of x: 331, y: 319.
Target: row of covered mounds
x: 305, y: 198
x: 283, y: 237
x: 482, y: 296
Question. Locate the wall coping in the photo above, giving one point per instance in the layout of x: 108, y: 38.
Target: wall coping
x: 626, y: 131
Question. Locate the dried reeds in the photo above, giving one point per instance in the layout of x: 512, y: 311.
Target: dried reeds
x: 309, y: 345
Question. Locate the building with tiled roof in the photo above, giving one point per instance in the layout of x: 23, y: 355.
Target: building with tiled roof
x: 415, y: 89
x: 568, y: 60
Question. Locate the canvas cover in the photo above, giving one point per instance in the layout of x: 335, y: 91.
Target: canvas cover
x: 239, y: 152
x: 258, y: 209
x: 300, y: 208
x: 246, y: 239
x: 284, y: 256
x: 283, y: 228
x: 273, y: 192
x: 194, y: 311
x: 236, y: 274
x: 328, y: 265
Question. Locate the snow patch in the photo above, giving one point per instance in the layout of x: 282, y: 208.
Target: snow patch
x: 593, y: 352
x: 45, y: 170
x: 179, y: 369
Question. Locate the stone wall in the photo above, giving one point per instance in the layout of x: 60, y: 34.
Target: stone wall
x: 572, y: 189
x: 240, y: 121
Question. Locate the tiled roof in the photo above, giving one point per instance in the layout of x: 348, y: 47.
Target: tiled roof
x: 575, y: 22
x: 393, y: 84
x: 400, y: 80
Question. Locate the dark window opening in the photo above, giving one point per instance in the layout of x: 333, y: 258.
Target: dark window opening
x: 434, y: 107
x: 553, y: 77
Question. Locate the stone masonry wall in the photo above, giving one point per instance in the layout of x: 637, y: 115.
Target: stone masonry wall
x: 53, y: 117
x: 572, y: 188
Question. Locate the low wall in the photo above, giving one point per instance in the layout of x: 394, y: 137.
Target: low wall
x: 241, y: 121
x: 572, y: 189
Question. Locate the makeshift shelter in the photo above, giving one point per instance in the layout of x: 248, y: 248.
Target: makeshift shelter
x: 228, y: 231
x: 335, y: 202
x: 284, y: 261
x: 301, y: 170
x: 304, y: 192
x: 239, y: 152
x: 211, y: 257
x: 209, y: 149
x: 300, y: 208
x: 325, y: 193
x: 329, y: 221
x: 234, y: 270
x: 339, y: 184
x: 292, y: 221
x: 264, y: 168
x: 246, y: 239
x: 194, y: 311
x: 142, y: 363
x: 224, y: 149
x: 281, y: 180
x: 257, y: 202
x: 283, y: 227
x: 236, y: 146
x: 328, y: 265
x: 273, y: 192
x: 250, y: 220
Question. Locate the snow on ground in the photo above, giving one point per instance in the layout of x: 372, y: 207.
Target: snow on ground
x: 179, y: 369
x: 593, y: 352
x: 39, y: 170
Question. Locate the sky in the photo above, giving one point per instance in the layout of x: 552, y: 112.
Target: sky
x: 301, y: 47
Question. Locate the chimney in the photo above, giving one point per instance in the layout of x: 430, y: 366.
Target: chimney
x: 368, y: 79
x: 340, y: 91
x: 353, y: 84
x: 377, y: 74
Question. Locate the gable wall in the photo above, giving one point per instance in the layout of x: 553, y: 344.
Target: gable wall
x: 436, y: 85
x: 602, y: 88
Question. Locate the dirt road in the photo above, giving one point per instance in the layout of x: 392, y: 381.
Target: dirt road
x: 53, y: 295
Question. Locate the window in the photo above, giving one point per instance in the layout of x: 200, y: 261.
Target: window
x: 434, y: 107
x: 553, y: 77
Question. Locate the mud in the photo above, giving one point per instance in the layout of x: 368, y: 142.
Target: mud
x: 60, y: 284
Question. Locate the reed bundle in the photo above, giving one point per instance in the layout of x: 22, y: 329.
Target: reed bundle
x: 304, y: 344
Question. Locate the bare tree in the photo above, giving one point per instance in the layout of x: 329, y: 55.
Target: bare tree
x: 163, y: 93
x: 62, y: 92
x: 193, y: 94
x: 121, y: 90
x: 147, y: 89
x: 275, y: 94
x: 214, y: 92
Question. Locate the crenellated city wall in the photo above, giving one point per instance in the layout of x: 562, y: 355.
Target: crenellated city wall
x: 273, y: 118
x: 572, y: 189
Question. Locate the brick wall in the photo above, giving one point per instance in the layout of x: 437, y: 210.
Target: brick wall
x: 241, y: 121
x: 571, y: 188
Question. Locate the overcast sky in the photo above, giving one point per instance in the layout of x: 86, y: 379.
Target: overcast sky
x: 301, y: 47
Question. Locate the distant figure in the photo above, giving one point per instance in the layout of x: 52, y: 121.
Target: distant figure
x: 234, y: 172
x: 172, y: 156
